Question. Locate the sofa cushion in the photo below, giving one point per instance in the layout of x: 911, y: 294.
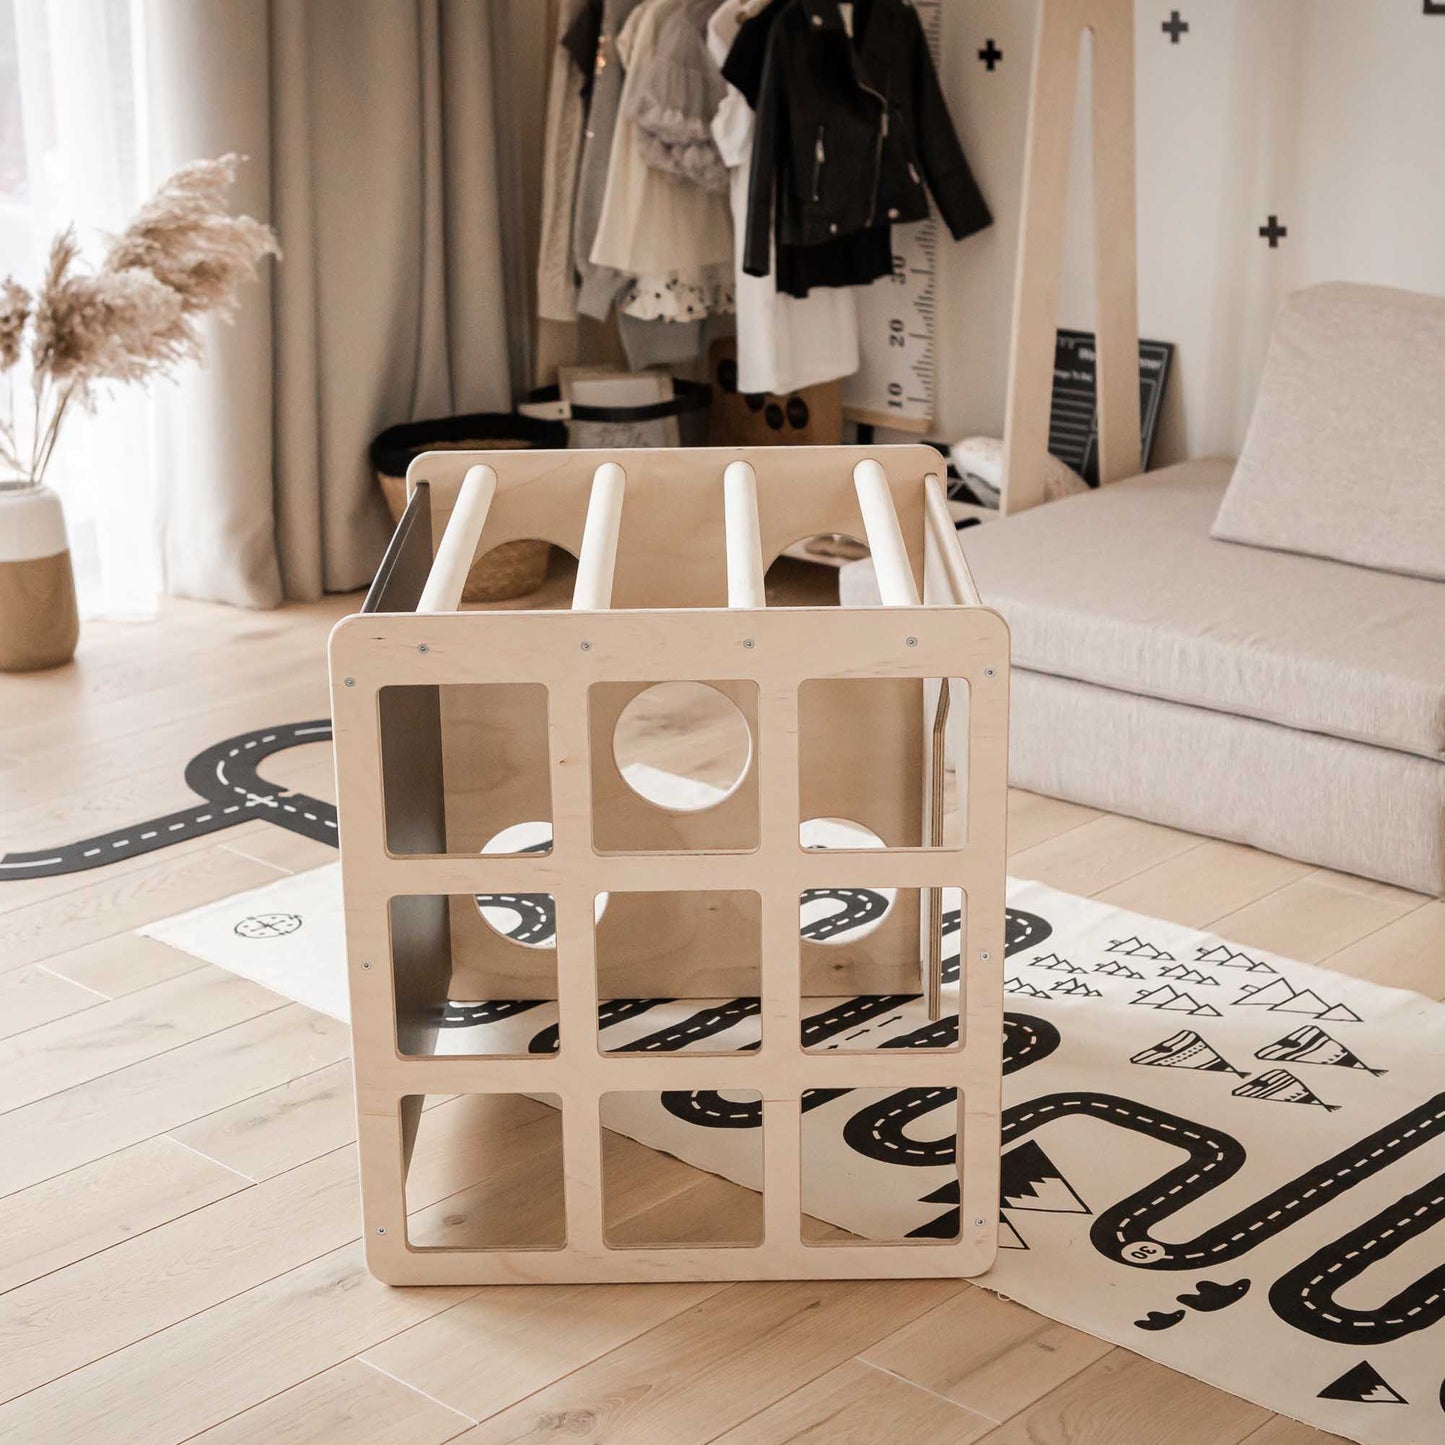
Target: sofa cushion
x: 1125, y: 588
x: 1345, y: 452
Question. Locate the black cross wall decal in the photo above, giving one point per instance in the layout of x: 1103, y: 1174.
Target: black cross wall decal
x: 1274, y: 232
x: 990, y: 54
x: 1174, y: 27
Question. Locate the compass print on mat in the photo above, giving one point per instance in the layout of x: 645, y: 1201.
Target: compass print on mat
x: 268, y: 925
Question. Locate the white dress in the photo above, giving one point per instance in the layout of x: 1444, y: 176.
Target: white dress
x: 784, y: 342
x: 672, y: 235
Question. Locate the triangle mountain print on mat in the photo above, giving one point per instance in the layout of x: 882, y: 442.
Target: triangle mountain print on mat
x: 1364, y: 1385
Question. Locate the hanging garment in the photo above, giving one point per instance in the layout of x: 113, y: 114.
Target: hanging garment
x: 854, y: 260
x: 849, y: 126
x: 783, y: 343
x: 654, y: 224
x: 561, y: 158
x: 599, y: 284
x: 673, y: 98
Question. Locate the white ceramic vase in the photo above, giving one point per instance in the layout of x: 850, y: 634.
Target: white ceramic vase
x: 39, y: 625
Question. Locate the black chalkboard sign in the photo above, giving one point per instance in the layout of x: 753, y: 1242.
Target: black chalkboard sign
x: 1074, y: 415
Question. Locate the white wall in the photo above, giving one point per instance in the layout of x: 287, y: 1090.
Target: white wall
x: 1328, y: 113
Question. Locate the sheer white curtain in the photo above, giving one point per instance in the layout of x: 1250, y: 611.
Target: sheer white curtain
x: 72, y: 150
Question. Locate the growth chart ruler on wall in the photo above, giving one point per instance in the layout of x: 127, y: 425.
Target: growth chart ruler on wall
x: 894, y: 385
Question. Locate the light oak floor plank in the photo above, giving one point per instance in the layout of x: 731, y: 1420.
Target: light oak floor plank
x: 32, y: 996
x: 858, y: 1404
x: 85, y: 1123
x: 70, y: 1051
x: 694, y: 1377
x: 122, y: 964
x: 349, y: 1404
x: 118, y: 1198
x: 988, y: 1354
x: 1122, y: 1399
x: 1100, y: 854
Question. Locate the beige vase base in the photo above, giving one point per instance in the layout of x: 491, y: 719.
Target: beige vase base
x: 39, y: 624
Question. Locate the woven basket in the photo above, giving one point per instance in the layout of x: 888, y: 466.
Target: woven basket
x: 514, y: 569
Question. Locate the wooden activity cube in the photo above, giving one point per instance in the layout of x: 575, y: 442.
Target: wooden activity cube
x: 454, y: 727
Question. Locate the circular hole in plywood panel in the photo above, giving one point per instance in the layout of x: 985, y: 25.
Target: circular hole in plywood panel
x: 805, y: 573
x: 682, y: 746
x: 841, y: 915
x: 525, y: 918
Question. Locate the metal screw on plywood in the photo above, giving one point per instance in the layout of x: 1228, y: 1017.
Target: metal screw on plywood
x: 459, y: 722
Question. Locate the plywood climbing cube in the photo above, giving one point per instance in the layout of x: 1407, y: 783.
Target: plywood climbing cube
x: 669, y: 795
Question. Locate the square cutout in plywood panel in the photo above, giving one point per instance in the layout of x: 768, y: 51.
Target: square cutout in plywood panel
x: 868, y: 752
x: 865, y: 965
x: 484, y: 1171
x: 694, y: 957
x: 474, y: 975
x: 674, y: 766
x: 466, y: 768
x: 877, y: 1147
x: 699, y: 1182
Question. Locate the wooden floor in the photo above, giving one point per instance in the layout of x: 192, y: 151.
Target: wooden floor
x: 178, y: 1206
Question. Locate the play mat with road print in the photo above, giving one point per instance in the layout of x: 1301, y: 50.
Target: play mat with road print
x: 1225, y: 1160
x: 1221, y: 1159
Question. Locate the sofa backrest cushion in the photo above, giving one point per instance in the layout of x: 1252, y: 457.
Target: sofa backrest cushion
x: 1345, y: 452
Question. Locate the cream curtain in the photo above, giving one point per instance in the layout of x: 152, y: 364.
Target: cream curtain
x: 371, y: 128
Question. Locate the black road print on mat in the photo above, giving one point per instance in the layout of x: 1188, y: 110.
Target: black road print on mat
x: 226, y: 777
x: 1305, y: 1296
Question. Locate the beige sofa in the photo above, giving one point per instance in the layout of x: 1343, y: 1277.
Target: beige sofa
x: 1290, y: 702
x: 1257, y: 651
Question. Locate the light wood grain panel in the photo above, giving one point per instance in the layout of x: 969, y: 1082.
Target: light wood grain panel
x: 1125, y: 1398
x: 72, y: 1128
x: 1280, y: 1431
x: 349, y: 1404
x: 124, y: 1031
x: 286, y: 1126
x: 81, y: 1213
x: 1408, y: 952
x: 1204, y: 883
x: 857, y: 1404
x: 533, y: 1337
x: 1100, y: 854
x: 701, y: 1373
x: 1033, y: 818
x: 986, y: 1353
x: 196, y: 1261
x: 122, y: 964
x: 32, y: 996
x: 1316, y: 916
x: 165, y: 1388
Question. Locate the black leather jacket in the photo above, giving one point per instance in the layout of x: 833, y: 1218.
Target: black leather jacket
x: 849, y: 129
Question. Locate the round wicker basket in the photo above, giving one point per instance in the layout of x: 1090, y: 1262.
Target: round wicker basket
x: 514, y: 569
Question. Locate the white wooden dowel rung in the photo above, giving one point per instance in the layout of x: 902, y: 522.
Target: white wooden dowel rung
x: 744, y: 538
x: 885, y: 537
x: 458, y: 548
x: 940, y: 525
x: 597, y: 560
